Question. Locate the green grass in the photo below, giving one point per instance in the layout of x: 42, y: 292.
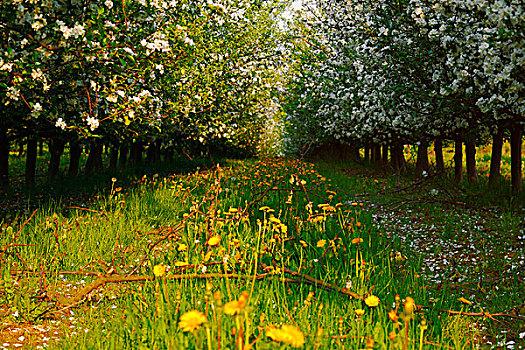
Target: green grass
x: 293, y: 269
x: 466, y: 238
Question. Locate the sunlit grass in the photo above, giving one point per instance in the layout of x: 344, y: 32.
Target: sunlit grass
x: 257, y: 254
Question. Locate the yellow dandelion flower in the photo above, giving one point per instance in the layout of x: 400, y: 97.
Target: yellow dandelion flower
x: 393, y: 315
x: 372, y: 300
x: 191, y: 320
x: 287, y: 334
x: 181, y: 263
x: 465, y: 301
x: 275, y: 220
x: 214, y: 240
x: 409, y: 305
x: 392, y: 335
x: 264, y: 208
x: 321, y: 243
x: 329, y: 208
x: 303, y: 243
x: 316, y: 219
x: 234, y: 307
x: 208, y: 255
x: 159, y: 270
x: 359, y: 312
x: 357, y: 240
x: 233, y: 210
x: 182, y: 247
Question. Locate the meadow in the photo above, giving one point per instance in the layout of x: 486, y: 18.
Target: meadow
x: 263, y: 254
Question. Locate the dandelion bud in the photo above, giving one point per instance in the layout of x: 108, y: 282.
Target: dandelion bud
x: 409, y: 306
x: 392, y: 335
x: 320, y: 331
x: 423, y: 325
x: 393, y: 315
x: 369, y: 343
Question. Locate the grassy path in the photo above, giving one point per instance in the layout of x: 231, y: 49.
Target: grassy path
x: 459, y: 243
x: 270, y: 253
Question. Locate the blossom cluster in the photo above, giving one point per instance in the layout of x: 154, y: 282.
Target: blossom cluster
x: 193, y: 71
x: 374, y: 71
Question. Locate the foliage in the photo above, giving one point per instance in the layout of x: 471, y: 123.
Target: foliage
x: 170, y: 71
x: 386, y: 72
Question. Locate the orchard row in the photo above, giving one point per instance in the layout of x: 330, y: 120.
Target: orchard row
x: 384, y: 74
x: 163, y: 75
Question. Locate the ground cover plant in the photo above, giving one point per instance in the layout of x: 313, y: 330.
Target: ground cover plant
x: 255, y: 254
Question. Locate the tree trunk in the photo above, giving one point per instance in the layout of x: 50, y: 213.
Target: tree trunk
x: 94, y: 161
x: 394, y: 157
x: 157, y: 152
x: 41, y: 148
x: 75, y: 151
x: 20, y: 148
x: 56, y: 149
x: 367, y: 153
x: 123, y: 156
x: 458, y: 161
x: 4, y: 158
x: 401, y: 154
x: 355, y: 154
x: 376, y: 154
x: 137, y: 150
x: 470, y: 151
x: 150, y: 153
x: 398, y: 159
x: 385, y: 154
x: 422, y: 163
x: 515, y: 157
x: 168, y: 154
x: 495, y: 159
x: 32, y: 145
x: 113, y: 157
x: 438, y: 150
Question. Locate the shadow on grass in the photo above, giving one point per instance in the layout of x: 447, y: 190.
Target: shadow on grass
x: 21, y: 200
x: 406, y: 185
